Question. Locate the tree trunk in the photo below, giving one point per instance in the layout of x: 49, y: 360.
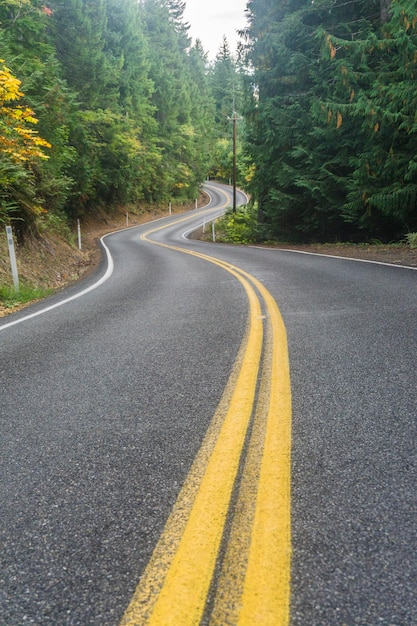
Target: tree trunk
x: 385, y: 7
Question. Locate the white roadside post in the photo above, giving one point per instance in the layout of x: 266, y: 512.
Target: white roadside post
x: 213, y: 231
x: 12, y: 256
x: 79, y: 233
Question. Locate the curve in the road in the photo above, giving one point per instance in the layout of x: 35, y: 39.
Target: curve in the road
x: 79, y: 294
x: 254, y: 580
x: 107, y: 274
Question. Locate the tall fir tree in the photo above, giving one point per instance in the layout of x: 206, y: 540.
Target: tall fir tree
x: 203, y: 111
x: 172, y: 97
x: 324, y: 157
x: 375, y: 78
x: 79, y: 37
x: 227, y: 88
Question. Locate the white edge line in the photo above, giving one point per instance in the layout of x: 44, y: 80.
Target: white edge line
x: 185, y: 234
x: 190, y: 230
x: 333, y: 256
x: 106, y: 276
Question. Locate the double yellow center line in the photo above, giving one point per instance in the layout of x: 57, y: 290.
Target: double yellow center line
x: 225, y: 552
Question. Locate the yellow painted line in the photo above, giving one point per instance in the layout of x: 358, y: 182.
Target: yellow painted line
x: 231, y: 579
x: 266, y: 594
x: 174, y: 589
x: 182, y: 598
x: 254, y: 584
x: 152, y: 580
x: 144, y: 237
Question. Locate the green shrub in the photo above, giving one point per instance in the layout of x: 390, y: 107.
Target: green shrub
x: 240, y: 227
x: 412, y: 240
x: 57, y: 224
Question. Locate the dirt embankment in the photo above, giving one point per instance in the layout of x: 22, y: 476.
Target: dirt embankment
x: 395, y: 254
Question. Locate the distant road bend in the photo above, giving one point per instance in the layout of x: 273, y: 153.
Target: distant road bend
x: 157, y: 465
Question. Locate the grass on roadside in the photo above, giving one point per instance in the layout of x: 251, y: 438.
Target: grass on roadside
x: 11, y: 297
x: 412, y: 240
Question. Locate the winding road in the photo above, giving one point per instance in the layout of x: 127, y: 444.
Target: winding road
x: 211, y: 434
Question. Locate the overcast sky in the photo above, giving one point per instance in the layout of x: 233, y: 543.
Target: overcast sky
x: 211, y: 19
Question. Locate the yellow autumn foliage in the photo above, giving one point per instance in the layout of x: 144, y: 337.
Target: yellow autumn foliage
x: 17, y: 139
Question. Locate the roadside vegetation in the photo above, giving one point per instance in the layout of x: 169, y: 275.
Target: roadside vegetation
x: 11, y: 297
x: 412, y: 240
x: 242, y: 227
x: 239, y: 227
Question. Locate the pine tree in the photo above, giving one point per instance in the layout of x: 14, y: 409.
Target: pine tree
x: 330, y: 127
x: 227, y: 88
x: 172, y: 98
x: 379, y: 100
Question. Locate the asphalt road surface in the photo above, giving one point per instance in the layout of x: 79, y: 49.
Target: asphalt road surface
x: 106, y: 399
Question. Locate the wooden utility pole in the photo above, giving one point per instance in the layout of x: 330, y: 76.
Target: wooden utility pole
x: 234, y: 161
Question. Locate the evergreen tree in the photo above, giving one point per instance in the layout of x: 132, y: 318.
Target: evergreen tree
x: 377, y: 97
x: 78, y: 28
x: 284, y: 54
x: 172, y: 98
x: 176, y: 10
x: 227, y: 88
x: 203, y: 111
x: 328, y: 136
x: 226, y: 85
x: 127, y: 52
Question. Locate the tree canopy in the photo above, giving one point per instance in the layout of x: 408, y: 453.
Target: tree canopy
x: 108, y: 103
x: 332, y: 123
x: 123, y: 103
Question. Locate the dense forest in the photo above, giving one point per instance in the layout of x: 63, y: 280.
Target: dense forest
x: 332, y: 125
x: 126, y: 109
x: 107, y: 103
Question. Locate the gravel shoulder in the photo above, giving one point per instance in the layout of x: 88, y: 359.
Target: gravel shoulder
x: 395, y: 254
